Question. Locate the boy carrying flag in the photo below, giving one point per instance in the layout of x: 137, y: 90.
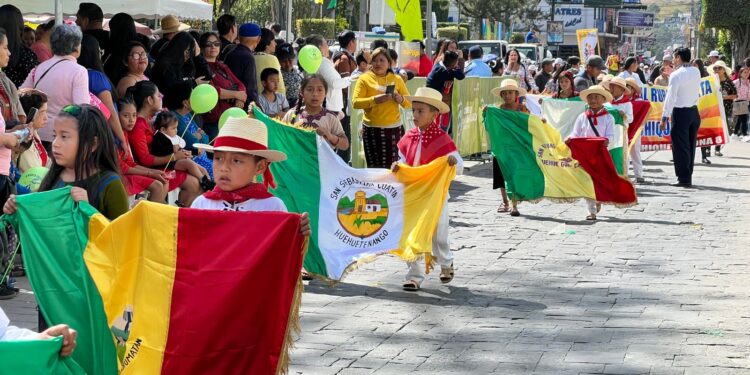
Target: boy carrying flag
x: 595, y: 122
x: 419, y: 146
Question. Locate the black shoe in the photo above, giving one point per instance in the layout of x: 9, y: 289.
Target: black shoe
x: 206, y: 184
x: 7, y: 293
x: 718, y: 153
x: 705, y: 161
x: 682, y: 185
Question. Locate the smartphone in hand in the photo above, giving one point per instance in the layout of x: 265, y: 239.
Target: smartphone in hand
x: 30, y: 116
x: 390, y: 89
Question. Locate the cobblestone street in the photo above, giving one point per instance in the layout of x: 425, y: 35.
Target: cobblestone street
x: 659, y: 288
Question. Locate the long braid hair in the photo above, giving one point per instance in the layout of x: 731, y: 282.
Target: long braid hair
x: 305, y: 82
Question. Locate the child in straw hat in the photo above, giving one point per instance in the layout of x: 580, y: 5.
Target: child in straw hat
x: 595, y: 122
x: 634, y: 92
x: 241, y: 154
x: 421, y: 145
x: 509, y: 92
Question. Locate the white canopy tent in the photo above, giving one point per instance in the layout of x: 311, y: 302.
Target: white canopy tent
x: 149, y: 9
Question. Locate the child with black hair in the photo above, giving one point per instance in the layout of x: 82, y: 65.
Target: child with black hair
x: 33, y: 154
x: 137, y: 178
x: 271, y: 102
x: 148, y: 103
x: 84, y: 157
x: 188, y: 129
x: 441, y: 79
x: 362, y: 64
x: 167, y: 141
x: 313, y: 115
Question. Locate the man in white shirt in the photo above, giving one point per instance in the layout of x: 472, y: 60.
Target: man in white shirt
x: 681, y: 105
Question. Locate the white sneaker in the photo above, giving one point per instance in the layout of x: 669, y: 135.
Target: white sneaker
x: 746, y: 139
x: 734, y: 137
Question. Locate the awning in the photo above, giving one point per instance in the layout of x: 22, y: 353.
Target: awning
x: 149, y: 9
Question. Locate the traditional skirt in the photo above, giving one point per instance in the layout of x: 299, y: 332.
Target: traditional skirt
x: 381, y: 145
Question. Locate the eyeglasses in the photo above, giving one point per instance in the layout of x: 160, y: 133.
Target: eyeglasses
x: 212, y: 44
x: 139, y: 55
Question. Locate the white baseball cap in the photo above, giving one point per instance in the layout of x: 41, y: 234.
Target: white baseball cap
x: 713, y: 54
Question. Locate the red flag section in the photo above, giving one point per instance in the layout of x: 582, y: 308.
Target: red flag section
x: 597, y: 162
x: 641, y: 109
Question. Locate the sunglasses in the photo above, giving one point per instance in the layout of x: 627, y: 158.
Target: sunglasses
x: 212, y: 44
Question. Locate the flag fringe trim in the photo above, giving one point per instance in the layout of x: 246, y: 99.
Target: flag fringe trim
x: 293, y: 325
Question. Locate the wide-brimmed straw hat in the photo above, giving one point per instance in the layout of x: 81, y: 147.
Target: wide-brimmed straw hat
x: 170, y: 24
x: 719, y: 64
x: 633, y: 84
x: 617, y: 81
x: 596, y: 89
x: 508, y: 85
x: 429, y: 96
x: 604, y: 77
x: 244, y: 135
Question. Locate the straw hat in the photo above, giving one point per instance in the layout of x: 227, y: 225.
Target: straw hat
x: 719, y: 64
x: 245, y: 135
x: 508, y: 85
x: 604, y: 78
x: 429, y: 96
x: 170, y: 24
x: 617, y: 81
x: 633, y: 84
x: 596, y: 89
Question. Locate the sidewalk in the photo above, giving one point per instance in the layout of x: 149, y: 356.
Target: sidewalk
x: 659, y: 288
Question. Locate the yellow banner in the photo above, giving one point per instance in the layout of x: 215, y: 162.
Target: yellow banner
x: 587, y: 43
x: 409, y: 17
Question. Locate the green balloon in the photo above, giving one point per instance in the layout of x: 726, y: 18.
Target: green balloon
x: 231, y: 113
x: 310, y: 58
x: 33, y: 177
x: 203, y: 98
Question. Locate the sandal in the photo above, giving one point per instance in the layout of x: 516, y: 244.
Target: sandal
x: 306, y: 276
x: 446, y: 274
x: 515, y: 213
x: 505, y: 207
x: 411, y: 286
x: 591, y: 217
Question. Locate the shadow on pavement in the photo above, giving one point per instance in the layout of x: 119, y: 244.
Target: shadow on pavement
x: 455, y: 296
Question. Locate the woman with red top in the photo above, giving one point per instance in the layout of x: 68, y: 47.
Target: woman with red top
x: 231, y: 89
x: 147, y: 100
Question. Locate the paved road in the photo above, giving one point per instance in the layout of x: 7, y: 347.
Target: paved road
x: 659, y: 288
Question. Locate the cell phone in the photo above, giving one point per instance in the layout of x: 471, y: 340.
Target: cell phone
x: 390, y: 89
x: 30, y: 116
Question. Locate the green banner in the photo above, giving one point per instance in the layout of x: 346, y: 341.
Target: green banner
x: 36, y: 357
x: 602, y: 3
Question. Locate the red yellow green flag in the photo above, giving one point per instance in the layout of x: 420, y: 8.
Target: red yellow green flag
x: 177, y: 290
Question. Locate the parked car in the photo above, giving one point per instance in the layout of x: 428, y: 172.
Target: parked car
x: 495, y: 47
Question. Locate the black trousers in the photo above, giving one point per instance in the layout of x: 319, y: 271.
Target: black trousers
x: 740, y: 124
x: 685, y: 124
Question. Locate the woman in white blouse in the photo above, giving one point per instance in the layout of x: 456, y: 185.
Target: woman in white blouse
x: 631, y: 66
x: 514, y: 67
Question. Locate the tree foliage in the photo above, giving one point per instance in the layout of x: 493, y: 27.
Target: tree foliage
x: 732, y: 16
x: 502, y: 10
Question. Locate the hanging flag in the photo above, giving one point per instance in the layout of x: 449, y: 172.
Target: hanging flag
x: 537, y: 164
x: 36, y: 357
x: 587, y: 43
x: 641, y: 110
x: 409, y: 17
x: 173, y: 289
x: 332, y: 5
x: 355, y: 214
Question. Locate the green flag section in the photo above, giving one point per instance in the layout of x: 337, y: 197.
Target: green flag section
x: 537, y: 164
x: 63, y: 287
x: 355, y: 214
x: 36, y: 357
x: 409, y: 17
x: 562, y: 114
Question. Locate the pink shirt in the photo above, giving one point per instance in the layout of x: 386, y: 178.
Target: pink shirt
x: 43, y: 53
x: 66, y: 83
x: 743, y: 89
x: 4, y: 152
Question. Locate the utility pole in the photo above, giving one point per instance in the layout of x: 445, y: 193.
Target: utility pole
x: 362, y: 15
x: 428, y: 26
